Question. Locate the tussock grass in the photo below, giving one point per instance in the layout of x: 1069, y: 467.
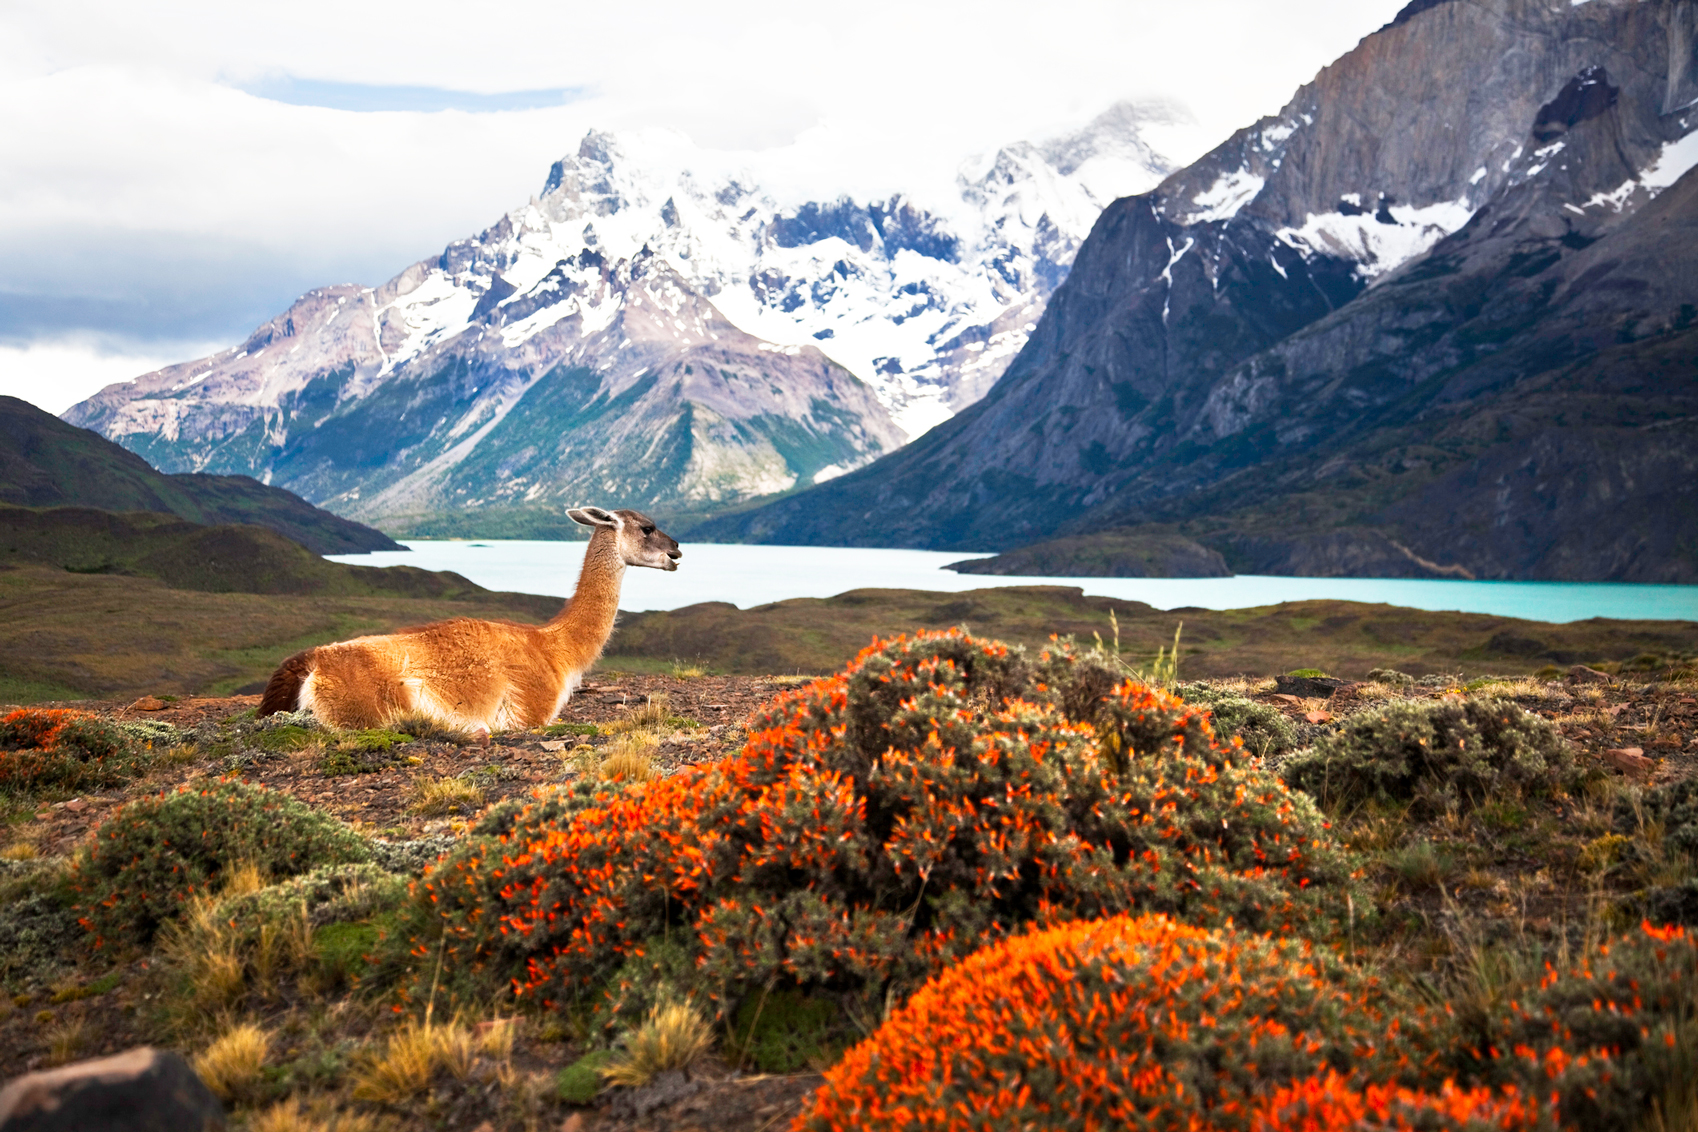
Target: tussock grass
x: 675, y: 1036
x: 233, y: 1064
x: 67, y: 1037
x: 650, y: 716
x: 20, y: 851
x: 627, y: 766
x: 411, y: 1059
x: 319, y: 1116
x: 683, y: 671
x: 494, y: 1038
x: 438, y: 797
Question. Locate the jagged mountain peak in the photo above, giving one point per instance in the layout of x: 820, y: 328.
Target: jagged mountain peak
x: 772, y: 344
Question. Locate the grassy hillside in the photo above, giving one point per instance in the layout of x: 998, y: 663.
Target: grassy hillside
x: 218, y: 559
x: 45, y: 462
x: 65, y: 635
x: 1345, y: 638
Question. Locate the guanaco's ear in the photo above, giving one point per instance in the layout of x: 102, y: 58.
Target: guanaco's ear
x: 593, y: 517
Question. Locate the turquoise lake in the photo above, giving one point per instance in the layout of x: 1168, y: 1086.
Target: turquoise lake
x: 754, y: 575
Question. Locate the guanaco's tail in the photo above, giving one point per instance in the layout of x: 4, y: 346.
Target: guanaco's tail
x: 283, y: 690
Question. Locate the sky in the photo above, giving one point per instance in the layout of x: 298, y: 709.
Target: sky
x: 174, y: 173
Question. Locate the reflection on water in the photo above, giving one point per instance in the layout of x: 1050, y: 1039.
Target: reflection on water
x: 754, y: 575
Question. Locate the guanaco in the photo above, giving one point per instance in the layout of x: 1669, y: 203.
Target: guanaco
x: 477, y: 676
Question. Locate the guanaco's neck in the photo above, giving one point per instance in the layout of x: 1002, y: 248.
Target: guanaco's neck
x: 587, y: 620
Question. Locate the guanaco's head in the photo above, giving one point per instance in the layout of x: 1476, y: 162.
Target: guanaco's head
x: 641, y: 543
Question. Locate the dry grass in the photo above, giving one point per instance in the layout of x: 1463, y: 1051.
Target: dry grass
x: 627, y: 767
x: 629, y: 757
x: 1514, y: 688
x: 683, y: 671
x: 583, y: 758
x: 67, y: 1038
x: 647, y: 717
x: 231, y: 1066
x: 438, y: 797
x: 20, y: 851
x: 320, y: 1115
x: 412, y: 1058
x: 242, y: 879
x: 494, y: 1038
x: 204, y: 949
x: 675, y: 1036
x: 178, y: 756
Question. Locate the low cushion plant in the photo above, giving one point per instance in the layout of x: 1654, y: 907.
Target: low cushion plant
x: 53, y: 748
x: 148, y: 860
x: 881, y: 823
x: 1126, y: 1022
x: 1435, y: 753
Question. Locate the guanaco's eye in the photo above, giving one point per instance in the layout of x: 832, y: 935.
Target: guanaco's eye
x: 648, y: 530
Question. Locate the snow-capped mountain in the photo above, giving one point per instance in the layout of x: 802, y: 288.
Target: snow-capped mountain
x: 1436, y: 316
x: 771, y: 345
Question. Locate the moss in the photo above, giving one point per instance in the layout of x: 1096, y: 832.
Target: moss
x: 580, y: 1082
x: 286, y: 738
x: 786, y: 1030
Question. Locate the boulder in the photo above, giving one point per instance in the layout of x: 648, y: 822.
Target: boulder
x: 140, y: 1090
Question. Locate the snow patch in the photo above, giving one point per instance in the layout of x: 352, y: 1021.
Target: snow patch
x: 1377, y: 248
x: 1672, y: 164
x: 1223, y: 199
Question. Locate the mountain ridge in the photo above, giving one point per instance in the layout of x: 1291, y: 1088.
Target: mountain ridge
x: 45, y: 462
x: 633, y: 273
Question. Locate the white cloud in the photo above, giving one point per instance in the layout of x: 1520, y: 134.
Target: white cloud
x: 126, y: 125
x: 57, y: 373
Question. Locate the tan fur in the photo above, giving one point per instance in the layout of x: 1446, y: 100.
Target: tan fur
x: 479, y: 676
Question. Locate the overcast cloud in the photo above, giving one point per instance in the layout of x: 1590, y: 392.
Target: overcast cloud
x: 175, y: 173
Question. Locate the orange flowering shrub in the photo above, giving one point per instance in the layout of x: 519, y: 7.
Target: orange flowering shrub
x: 878, y: 824
x: 1328, y: 1103
x: 1127, y: 1022
x: 70, y: 750
x: 1611, y: 1035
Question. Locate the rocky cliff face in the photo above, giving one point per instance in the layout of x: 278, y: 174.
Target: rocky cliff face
x: 648, y: 329
x: 1433, y: 318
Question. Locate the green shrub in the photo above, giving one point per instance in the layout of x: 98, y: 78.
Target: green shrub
x: 1675, y: 808
x: 59, y: 749
x: 883, y: 822
x: 1389, y: 676
x: 1264, y: 729
x: 145, y: 862
x: 1434, y: 754
x: 329, y: 894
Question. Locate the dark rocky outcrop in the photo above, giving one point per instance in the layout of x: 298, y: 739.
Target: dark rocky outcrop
x: 1106, y: 554
x: 141, y: 1090
x: 1436, y: 318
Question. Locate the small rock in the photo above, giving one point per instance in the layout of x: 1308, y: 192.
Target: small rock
x: 1318, y: 716
x: 149, y: 703
x: 1317, y: 687
x: 1288, y: 699
x: 76, y: 804
x: 1580, y: 674
x: 554, y: 745
x: 1631, y: 761
x: 140, y: 1090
